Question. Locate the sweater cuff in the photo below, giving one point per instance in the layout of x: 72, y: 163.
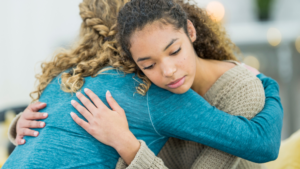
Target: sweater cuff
x: 143, y: 159
x: 12, y: 132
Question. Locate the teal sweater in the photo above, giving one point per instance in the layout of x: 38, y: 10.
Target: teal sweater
x: 152, y: 118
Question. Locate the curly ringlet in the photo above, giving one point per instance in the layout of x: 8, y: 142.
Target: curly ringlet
x: 211, y: 42
x: 98, y: 47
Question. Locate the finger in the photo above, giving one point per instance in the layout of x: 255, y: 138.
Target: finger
x: 80, y: 122
x: 35, y: 116
x: 33, y: 124
x: 96, y: 100
x: 86, y: 102
x: 112, y: 103
x: 19, y: 140
x: 82, y: 110
x: 35, y: 107
x: 28, y: 132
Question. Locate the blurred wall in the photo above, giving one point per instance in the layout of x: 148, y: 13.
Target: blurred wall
x: 30, y: 31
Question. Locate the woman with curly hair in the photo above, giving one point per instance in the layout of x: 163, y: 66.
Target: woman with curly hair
x: 155, y: 114
x: 177, y: 47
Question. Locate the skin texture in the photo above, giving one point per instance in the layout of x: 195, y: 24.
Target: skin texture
x: 166, y: 65
x: 100, y: 118
x: 27, y: 121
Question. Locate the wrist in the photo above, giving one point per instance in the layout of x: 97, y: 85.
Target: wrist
x: 127, y: 141
x: 127, y: 147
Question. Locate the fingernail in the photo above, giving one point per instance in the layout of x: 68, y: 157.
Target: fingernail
x: 108, y: 93
x: 22, y: 141
x: 77, y: 94
x: 86, y: 89
x: 36, y: 133
x: 73, y: 102
x: 45, y: 114
x: 42, y: 124
x: 72, y: 114
x: 42, y: 104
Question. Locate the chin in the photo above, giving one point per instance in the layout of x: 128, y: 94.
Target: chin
x: 179, y: 90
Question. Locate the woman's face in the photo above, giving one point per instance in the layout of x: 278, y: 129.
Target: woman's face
x: 166, y: 55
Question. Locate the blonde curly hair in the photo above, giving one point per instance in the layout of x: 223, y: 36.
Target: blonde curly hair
x: 98, y: 47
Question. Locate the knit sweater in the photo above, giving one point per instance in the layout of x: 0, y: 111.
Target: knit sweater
x: 237, y: 92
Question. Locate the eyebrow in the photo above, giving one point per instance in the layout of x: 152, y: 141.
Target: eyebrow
x: 146, y: 58
x: 142, y: 59
x: 172, y: 41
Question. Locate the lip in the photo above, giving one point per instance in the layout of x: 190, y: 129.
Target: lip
x: 177, y: 83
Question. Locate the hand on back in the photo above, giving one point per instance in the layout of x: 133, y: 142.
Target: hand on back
x: 111, y: 125
x: 28, y: 120
x: 106, y: 125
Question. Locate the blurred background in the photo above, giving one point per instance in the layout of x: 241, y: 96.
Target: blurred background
x: 266, y: 31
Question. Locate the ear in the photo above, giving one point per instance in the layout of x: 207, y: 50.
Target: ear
x: 191, y: 31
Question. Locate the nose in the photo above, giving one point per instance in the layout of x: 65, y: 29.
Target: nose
x: 168, y: 68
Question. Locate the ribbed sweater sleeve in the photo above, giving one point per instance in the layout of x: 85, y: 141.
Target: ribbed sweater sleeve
x: 144, y: 158
x: 12, y: 129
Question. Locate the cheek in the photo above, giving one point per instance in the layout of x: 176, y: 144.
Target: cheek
x: 155, y: 77
x: 186, y: 63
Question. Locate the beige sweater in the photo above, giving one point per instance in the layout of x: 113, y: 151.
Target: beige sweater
x: 237, y: 92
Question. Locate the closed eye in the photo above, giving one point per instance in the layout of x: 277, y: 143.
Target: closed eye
x: 174, y: 53
x: 149, y: 67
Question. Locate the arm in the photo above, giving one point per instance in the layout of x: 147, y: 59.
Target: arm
x: 265, y: 127
x: 210, y: 157
x: 108, y: 125
x: 223, y: 130
x: 232, y: 134
x: 144, y: 158
x: 246, y: 101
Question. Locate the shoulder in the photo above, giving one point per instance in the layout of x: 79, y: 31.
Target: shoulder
x: 238, y: 92
x: 121, y: 85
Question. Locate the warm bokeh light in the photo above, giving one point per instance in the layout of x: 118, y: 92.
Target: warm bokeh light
x: 252, y: 61
x: 274, y: 36
x: 216, y: 10
x: 297, y: 44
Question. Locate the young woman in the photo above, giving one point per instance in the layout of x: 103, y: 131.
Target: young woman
x: 165, y: 45
x: 97, y: 50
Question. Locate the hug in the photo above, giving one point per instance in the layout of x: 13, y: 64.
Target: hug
x: 149, y: 84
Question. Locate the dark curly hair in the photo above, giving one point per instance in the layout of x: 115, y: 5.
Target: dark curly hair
x: 98, y: 45
x: 211, y: 43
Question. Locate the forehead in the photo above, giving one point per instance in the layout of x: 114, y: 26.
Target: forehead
x: 152, y: 39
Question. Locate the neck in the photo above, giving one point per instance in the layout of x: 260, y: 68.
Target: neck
x: 206, y: 75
